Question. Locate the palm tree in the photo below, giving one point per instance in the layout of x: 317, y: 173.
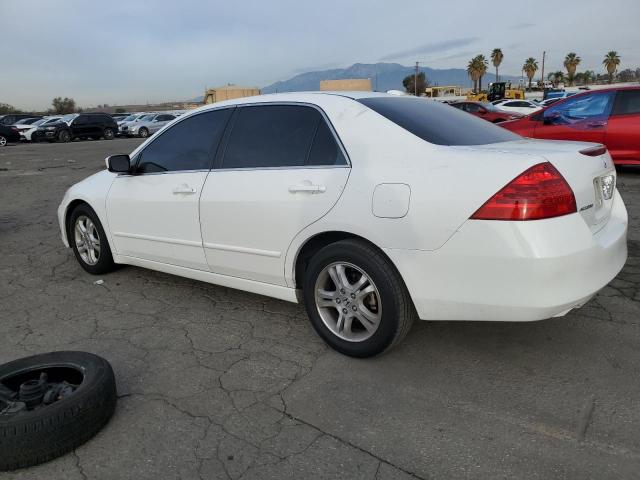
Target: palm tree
x: 611, y: 62
x: 588, y: 75
x: 472, y: 70
x: 556, y: 77
x: 530, y: 67
x: 482, y: 66
x: 571, y: 62
x: 496, y: 59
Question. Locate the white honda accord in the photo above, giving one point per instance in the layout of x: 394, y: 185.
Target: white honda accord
x: 371, y: 209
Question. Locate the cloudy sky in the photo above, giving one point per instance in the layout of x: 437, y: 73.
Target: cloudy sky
x: 138, y: 51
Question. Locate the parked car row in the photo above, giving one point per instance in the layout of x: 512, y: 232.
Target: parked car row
x: 57, y: 128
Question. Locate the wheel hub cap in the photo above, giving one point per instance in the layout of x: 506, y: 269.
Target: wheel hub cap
x: 348, y: 302
x: 87, y: 240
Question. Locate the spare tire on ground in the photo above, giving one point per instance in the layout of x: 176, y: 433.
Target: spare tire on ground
x: 52, y: 403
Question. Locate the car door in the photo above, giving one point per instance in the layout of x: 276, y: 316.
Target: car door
x: 159, y: 122
x: 583, y: 118
x: 153, y: 213
x: 623, y: 128
x: 80, y: 126
x: 281, y: 168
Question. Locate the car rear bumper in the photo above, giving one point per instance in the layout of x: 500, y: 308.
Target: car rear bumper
x: 515, y: 271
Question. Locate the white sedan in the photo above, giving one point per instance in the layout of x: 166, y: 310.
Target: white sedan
x: 525, y: 107
x: 371, y: 209
x: 34, y: 126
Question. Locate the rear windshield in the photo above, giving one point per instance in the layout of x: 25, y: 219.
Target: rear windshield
x: 438, y: 123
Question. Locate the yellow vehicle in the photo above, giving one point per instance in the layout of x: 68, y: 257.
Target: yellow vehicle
x: 497, y: 91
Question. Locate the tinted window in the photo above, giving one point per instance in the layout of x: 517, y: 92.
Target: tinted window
x: 164, y: 118
x: 187, y: 145
x: 578, y: 109
x: 325, y: 149
x: 271, y: 136
x: 473, y: 108
x: 80, y: 120
x: 437, y: 123
x: 627, y: 101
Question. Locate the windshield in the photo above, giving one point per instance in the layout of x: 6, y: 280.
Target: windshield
x: 437, y: 123
x: 146, y: 118
x: 69, y: 117
x: 129, y: 118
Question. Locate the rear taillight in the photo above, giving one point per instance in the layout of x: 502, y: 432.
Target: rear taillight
x: 540, y: 192
x: 594, y: 151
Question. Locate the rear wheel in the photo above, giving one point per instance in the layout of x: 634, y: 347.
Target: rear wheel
x: 108, y: 134
x: 143, y: 132
x: 3, y: 141
x: 356, y: 300
x: 89, y: 241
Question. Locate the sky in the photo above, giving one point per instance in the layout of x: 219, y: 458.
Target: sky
x: 138, y: 51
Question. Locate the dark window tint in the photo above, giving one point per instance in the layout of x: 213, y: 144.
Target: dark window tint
x: 271, y: 136
x: 577, y: 110
x: 81, y: 120
x: 164, y: 118
x: 627, y: 102
x: 473, y: 108
x: 325, y: 149
x: 187, y: 145
x: 437, y: 123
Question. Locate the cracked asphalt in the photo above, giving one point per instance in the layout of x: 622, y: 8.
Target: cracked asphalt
x: 219, y: 384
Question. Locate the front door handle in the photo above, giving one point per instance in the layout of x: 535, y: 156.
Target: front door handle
x: 596, y: 124
x: 308, y: 188
x: 184, y: 189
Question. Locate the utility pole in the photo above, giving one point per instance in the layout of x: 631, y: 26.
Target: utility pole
x: 415, y: 81
x: 544, y: 54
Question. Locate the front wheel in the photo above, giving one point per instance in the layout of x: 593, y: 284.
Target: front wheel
x: 64, y: 136
x: 3, y: 141
x: 89, y: 241
x: 108, y: 134
x: 356, y: 300
x: 144, y: 133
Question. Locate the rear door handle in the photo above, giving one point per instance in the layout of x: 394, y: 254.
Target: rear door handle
x: 596, y: 124
x: 184, y: 189
x: 308, y: 188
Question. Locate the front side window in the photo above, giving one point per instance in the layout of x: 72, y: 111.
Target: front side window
x: 187, y: 145
x: 577, y: 110
x: 266, y: 136
x: 436, y: 123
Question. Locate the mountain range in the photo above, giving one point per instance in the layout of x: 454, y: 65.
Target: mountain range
x: 384, y: 76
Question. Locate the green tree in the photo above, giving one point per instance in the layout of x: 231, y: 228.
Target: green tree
x: 571, y: 62
x: 120, y: 110
x: 409, y: 83
x: 530, y: 67
x: 63, y: 105
x: 6, y: 108
x: 496, y: 58
x: 556, y: 77
x: 611, y: 62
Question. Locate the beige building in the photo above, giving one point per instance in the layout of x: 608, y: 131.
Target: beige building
x: 228, y: 92
x: 348, y: 84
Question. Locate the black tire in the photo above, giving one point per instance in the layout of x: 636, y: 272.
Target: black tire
x: 32, y: 437
x: 3, y: 141
x: 108, y: 134
x: 398, y: 312
x: 105, y: 259
x: 64, y: 136
x: 143, y: 132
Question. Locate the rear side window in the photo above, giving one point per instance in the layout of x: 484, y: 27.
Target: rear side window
x: 578, y: 109
x: 437, y: 123
x: 267, y: 136
x: 627, y: 102
x: 187, y: 145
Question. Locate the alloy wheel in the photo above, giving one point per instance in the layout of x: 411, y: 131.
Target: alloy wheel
x: 348, y: 301
x: 3, y: 141
x: 87, y: 240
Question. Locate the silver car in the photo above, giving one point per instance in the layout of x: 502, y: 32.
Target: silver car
x: 125, y: 123
x: 150, y: 124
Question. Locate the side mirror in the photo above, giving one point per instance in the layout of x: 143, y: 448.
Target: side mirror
x: 118, y: 163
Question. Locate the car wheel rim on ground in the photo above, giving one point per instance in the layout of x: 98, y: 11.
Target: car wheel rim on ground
x: 87, y: 240
x: 144, y: 133
x: 3, y: 141
x: 348, y: 301
x: 108, y: 134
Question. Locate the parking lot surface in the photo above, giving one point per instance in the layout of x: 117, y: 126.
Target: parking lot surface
x: 215, y: 383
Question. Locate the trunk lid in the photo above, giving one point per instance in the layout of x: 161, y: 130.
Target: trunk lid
x: 592, y: 178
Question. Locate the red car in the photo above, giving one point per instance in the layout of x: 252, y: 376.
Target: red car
x: 486, y: 111
x: 609, y: 116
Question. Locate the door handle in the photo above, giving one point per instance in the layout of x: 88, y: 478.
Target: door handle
x: 596, y: 124
x: 184, y: 189
x: 307, y: 188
